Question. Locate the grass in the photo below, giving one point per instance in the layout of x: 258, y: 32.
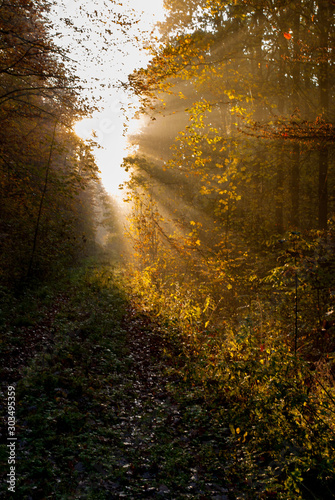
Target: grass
x: 270, y: 410
x: 94, y: 416
x: 119, y: 403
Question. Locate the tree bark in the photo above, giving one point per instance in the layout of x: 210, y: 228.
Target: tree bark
x: 323, y: 24
x: 295, y: 172
x: 37, y: 227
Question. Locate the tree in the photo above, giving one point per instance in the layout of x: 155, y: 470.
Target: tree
x: 45, y: 168
x: 251, y: 62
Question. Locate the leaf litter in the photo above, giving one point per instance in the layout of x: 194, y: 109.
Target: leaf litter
x: 96, y: 414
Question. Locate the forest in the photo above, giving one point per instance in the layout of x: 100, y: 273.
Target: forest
x: 187, y: 348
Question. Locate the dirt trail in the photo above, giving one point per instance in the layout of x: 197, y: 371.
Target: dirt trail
x: 163, y: 453
x: 96, y: 415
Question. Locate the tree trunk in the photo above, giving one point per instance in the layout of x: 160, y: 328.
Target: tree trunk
x: 323, y: 188
x: 279, y: 208
x: 323, y: 24
x: 295, y: 172
x: 37, y: 227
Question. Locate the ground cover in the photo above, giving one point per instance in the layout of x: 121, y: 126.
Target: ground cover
x: 95, y: 417
x: 113, y: 401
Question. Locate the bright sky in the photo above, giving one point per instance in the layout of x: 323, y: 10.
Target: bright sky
x: 108, y: 124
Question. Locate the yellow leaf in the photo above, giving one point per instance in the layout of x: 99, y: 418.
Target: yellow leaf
x: 232, y: 429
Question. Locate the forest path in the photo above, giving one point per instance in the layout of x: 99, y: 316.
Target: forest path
x: 96, y: 416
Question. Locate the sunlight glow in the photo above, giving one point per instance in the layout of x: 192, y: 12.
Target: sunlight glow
x: 107, y: 125
x: 108, y: 134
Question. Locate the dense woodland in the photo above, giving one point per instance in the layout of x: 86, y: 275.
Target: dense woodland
x: 233, y: 223
x: 48, y: 176
x: 232, y: 230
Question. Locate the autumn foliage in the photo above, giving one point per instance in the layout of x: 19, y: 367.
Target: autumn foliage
x: 46, y: 172
x: 233, y: 225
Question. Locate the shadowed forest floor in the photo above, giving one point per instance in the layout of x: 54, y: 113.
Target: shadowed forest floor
x: 100, y: 409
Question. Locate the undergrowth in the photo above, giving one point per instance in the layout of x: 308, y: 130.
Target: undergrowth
x: 64, y: 423
x: 240, y: 414
x: 94, y: 418
x: 269, y: 385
